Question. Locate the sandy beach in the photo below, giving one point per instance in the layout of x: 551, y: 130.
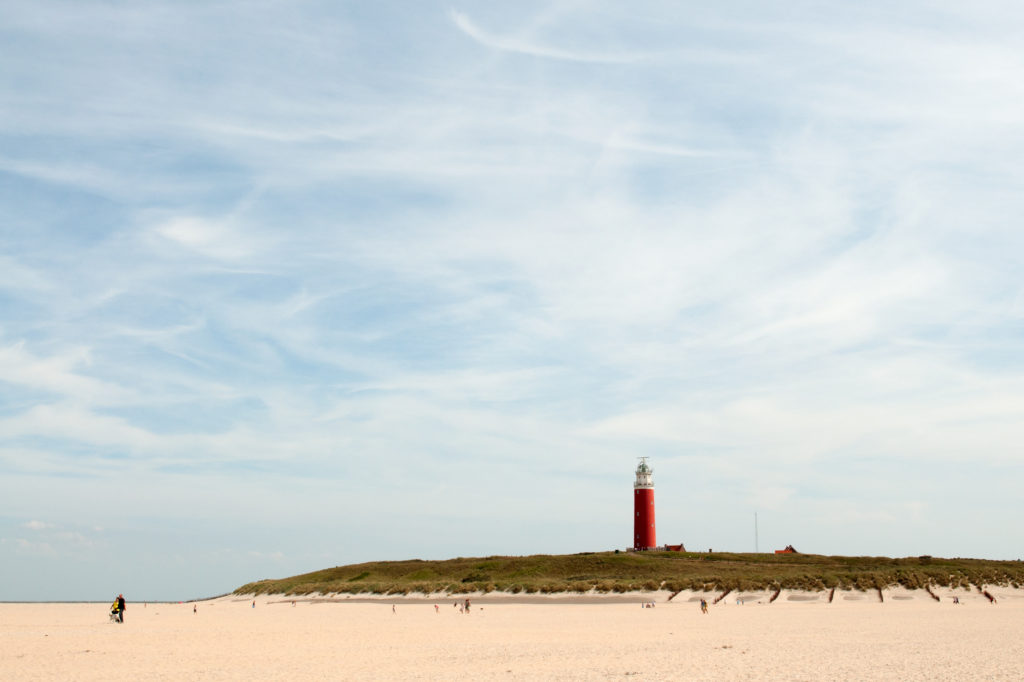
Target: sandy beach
x: 908, y: 636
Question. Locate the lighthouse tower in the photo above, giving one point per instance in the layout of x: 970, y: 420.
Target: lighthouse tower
x: 643, y: 507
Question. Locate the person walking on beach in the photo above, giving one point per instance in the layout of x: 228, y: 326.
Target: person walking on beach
x: 703, y: 606
x: 120, y: 608
x: 467, y: 606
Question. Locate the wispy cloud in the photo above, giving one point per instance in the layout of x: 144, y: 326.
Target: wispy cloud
x: 518, y: 45
x: 617, y: 141
x: 205, y: 237
x: 59, y: 374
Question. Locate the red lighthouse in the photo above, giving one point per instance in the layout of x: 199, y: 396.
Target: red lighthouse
x: 643, y: 507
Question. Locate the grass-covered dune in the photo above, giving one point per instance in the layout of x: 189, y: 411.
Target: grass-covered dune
x: 621, y: 572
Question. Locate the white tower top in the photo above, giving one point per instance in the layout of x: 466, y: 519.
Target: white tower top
x: 644, y: 475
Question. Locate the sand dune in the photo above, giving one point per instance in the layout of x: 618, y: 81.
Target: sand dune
x: 800, y: 636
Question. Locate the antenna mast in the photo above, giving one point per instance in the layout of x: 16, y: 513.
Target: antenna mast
x: 756, y: 550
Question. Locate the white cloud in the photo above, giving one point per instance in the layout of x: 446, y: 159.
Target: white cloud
x: 60, y: 374
x: 33, y: 548
x: 212, y: 239
x: 515, y: 44
x: 37, y: 525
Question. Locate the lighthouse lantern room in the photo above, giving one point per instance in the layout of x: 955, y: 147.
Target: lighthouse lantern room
x: 643, y: 507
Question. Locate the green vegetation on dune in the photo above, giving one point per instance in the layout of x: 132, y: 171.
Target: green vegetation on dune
x: 622, y: 572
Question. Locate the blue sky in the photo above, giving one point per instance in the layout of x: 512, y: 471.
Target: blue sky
x: 292, y: 285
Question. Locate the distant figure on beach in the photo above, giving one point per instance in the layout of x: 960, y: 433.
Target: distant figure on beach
x: 120, y: 607
x: 437, y: 609
x: 703, y: 606
x: 193, y: 608
x: 254, y: 603
x: 393, y: 609
x: 467, y: 605
x: 956, y: 600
